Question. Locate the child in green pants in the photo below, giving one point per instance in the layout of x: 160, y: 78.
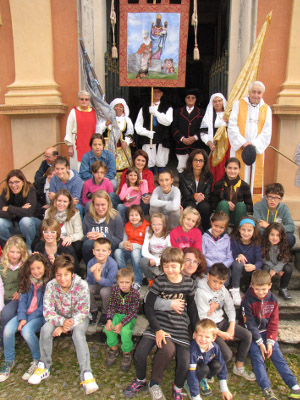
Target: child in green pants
x: 121, y: 318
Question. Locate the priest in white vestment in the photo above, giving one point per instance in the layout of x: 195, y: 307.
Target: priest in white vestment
x: 250, y: 122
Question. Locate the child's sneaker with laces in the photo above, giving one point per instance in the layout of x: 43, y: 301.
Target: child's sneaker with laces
x: 156, y: 393
x: 135, y: 387
x: 244, y: 372
x: 30, y: 371
x: 236, y: 296
x: 176, y: 394
x: 205, y: 389
x: 39, y: 374
x: 295, y: 394
x: 5, y: 370
x: 269, y: 394
x: 89, y: 384
x: 136, y: 286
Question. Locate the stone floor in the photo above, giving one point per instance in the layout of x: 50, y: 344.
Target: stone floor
x: 63, y: 382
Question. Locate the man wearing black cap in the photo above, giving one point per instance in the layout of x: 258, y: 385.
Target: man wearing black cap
x: 162, y: 118
x: 186, y: 128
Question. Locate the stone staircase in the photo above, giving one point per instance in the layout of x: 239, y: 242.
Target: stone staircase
x: 289, y: 311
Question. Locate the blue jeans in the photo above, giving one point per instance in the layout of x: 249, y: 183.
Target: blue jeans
x: 27, y: 226
x: 79, y: 340
x: 121, y: 256
x: 115, y: 199
x: 28, y: 332
x: 7, y: 313
x: 278, y: 360
x: 81, y: 209
x: 123, y: 211
x: 115, y: 184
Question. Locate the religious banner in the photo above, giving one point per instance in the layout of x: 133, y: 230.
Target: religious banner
x: 153, y: 40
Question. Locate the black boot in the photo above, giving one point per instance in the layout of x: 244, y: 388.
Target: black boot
x: 283, y: 292
x: 102, y: 320
x: 94, y: 318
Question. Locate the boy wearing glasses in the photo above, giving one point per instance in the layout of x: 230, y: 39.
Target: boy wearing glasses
x: 271, y: 209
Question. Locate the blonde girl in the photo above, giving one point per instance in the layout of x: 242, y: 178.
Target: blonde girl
x: 187, y: 233
x: 34, y: 275
x: 14, y: 255
x: 157, y: 239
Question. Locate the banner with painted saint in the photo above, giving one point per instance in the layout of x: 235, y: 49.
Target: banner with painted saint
x: 153, y: 40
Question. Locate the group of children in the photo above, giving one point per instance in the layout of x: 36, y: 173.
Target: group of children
x: 42, y: 292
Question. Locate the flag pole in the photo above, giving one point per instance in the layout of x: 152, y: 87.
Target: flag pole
x: 151, y: 117
x: 98, y: 85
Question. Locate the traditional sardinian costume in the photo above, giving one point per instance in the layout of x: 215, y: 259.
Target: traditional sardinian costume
x: 213, y: 120
x: 126, y: 128
x: 162, y: 119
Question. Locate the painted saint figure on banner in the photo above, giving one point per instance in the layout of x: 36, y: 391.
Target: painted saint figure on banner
x: 155, y: 55
x: 158, y: 36
x: 145, y: 51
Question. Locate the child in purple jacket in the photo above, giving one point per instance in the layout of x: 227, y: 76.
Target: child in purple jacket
x: 216, y: 244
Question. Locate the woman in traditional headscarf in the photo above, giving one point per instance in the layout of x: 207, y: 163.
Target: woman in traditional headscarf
x: 126, y: 128
x: 212, y: 120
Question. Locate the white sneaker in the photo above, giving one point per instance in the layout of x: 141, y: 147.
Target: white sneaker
x: 236, y: 296
x: 39, y: 374
x: 30, y: 371
x: 156, y: 393
x: 89, y: 384
x: 244, y: 372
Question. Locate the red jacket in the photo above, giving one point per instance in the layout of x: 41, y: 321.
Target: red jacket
x: 147, y: 175
x: 260, y: 316
x: 136, y: 235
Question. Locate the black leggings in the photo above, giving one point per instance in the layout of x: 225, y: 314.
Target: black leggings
x: 286, y: 277
x: 161, y: 360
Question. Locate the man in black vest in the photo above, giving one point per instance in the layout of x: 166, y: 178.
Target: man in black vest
x: 162, y: 118
x: 186, y: 128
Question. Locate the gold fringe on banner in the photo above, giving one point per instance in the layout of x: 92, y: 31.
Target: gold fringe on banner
x: 113, y: 21
x: 194, y: 22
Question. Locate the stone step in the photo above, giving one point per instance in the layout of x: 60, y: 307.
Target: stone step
x: 288, y: 333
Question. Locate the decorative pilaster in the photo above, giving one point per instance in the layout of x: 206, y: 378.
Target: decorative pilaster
x: 287, y: 110
x: 33, y: 100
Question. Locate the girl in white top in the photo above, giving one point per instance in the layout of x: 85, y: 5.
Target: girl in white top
x: 157, y: 239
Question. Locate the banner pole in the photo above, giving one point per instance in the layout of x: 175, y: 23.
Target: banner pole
x: 151, y: 116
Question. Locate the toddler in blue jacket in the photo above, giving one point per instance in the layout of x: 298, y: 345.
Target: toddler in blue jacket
x: 206, y: 360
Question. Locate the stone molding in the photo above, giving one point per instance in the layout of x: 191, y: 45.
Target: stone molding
x: 283, y: 110
x: 33, y: 109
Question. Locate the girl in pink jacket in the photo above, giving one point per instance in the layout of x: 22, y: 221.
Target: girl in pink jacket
x: 132, y: 191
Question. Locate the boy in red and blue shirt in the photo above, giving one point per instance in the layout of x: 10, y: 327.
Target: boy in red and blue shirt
x: 260, y: 314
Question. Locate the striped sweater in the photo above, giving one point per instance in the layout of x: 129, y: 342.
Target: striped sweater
x: 170, y: 321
